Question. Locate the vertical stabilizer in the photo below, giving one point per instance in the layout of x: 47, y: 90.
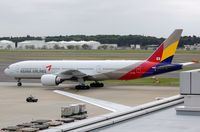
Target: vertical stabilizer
x: 166, y: 51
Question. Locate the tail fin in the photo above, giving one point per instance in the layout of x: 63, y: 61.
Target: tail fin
x: 167, y: 49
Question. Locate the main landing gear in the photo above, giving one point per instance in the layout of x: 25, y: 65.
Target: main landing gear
x: 96, y: 84
x: 82, y: 87
x: 19, y: 83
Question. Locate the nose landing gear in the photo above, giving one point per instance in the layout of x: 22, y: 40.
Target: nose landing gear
x: 19, y: 83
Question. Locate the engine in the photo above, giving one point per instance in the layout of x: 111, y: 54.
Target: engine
x: 50, y: 80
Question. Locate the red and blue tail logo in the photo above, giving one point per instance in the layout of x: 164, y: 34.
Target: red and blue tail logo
x: 160, y: 61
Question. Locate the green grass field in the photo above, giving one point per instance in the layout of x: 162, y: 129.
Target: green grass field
x: 145, y: 81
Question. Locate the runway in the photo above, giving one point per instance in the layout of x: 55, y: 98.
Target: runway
x: 15, y: 110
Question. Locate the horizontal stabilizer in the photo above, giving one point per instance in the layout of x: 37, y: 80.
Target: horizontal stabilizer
x: 189, y: 63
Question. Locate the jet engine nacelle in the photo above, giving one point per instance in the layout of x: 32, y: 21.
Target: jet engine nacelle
x: 50, y: 80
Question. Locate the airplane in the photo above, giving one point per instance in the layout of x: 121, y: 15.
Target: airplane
x: 54, y: 72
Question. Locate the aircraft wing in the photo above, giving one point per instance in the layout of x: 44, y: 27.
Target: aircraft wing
x: 100, y: 103
x: 72, y: 74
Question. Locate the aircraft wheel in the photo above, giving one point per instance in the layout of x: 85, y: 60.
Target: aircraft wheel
x: 78, y: 87
x: 19, y: 84
x: 87, y: 87
x: 101, y: 85
x: 82, y: 87
x: 92, y: 85
x: 97, y: 85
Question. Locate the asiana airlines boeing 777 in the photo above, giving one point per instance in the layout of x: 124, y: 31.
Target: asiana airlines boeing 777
x: 54, y: 72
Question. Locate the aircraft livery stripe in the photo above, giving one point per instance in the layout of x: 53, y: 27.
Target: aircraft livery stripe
x: 169, y: 51
x: 144, y: 67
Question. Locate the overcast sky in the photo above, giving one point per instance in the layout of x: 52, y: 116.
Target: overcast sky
x: 90, y: 17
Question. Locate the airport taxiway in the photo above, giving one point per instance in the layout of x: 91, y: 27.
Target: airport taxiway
x: 15, y: 110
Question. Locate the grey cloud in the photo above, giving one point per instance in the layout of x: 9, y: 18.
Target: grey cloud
x: 61, y: 17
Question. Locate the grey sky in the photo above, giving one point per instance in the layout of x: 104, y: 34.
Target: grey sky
x: 90, y: 17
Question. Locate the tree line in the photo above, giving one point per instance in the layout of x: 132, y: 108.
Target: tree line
x: 120, y: 40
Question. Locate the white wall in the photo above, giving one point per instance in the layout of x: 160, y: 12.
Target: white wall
x: 36, y: 43
x: 5, y: 44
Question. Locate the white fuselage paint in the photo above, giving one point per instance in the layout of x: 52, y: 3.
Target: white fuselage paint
x: 35, y: 69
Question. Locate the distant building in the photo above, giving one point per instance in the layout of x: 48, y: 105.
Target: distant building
x: 41, y: 44
x: 152, y: 47
x: 32, y: 44
x: 108, y: 46
x: 5, y: 44
x: 51, y: 44
x: 91, y: 44
x: 38, y: 44
x: 135, y: 46
x: 73, y: 44
x: 192, y: 47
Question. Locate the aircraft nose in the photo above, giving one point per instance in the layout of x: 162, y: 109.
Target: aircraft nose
x: 6, y: 71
